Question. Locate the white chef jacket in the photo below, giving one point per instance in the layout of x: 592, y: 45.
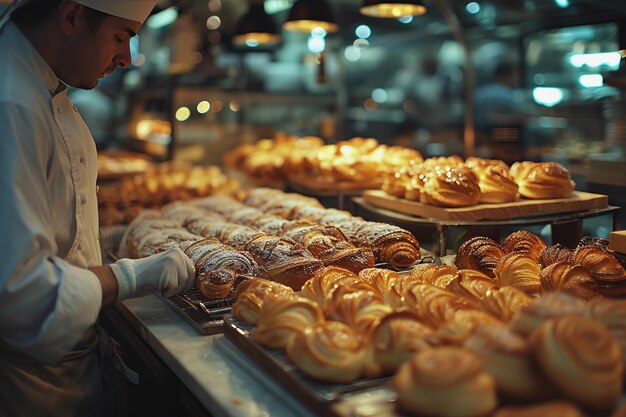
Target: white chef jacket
x: 48, y: 208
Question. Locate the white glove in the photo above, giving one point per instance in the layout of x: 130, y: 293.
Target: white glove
x: 167, y: 273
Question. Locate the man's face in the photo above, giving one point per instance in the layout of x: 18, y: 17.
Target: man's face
x: 96, y: 52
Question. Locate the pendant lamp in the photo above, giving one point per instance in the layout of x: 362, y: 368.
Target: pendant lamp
x: 392, y: 9
x: 256, y: 27
x: 306, y: 15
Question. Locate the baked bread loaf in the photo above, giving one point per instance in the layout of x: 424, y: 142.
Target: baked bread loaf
x: 329, y: 351
x: 396, y: 337
x: 445, y: 382
x: 519, y: 270
x: 504, y: 302
x: 572, y: 349
x: 571, y: 279
x: 523, y: 241
x: 557, y: 408
x: 251, y: 295
x: 539, y: 180
x: 548, y: 306
x: 479, y: 253
x: 508, y: 360
x: 281, y: 318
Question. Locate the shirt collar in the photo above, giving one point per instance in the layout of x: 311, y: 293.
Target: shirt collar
x: 39, y: 66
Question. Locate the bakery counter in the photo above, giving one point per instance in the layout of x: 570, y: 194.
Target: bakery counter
x: 188, y: 374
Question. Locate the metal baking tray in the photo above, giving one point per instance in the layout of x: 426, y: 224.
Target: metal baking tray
x: 323, y: 398
x: 205, y: 315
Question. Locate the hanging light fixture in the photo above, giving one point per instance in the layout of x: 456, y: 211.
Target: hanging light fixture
x: 306, y: 15
x: 256, y: 27
x: 391, y: 9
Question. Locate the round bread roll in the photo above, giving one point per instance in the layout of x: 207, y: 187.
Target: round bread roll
x: 329, y: 351
x: 583, y: 360
x: 445, y: 382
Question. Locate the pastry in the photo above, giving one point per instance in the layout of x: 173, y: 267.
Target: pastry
x: 611, y: 313
x: 479, y: 253
x: 281, y: 318
x: 524, y: 241
x: 432, y: 305
x: 496, y: 184
x: 329, y: 351
x: 395, y: 338
x: 325, y: 281
x: 360, y: 308
x: 252, y: 293
x: 445, y: 382
x: 573, y: 349
x: 471, y: 285
x: 603, y: 266
x: 539, y: 180
x: 571, y: 279
x: 450, y: 188
x: 508, y: 360
x: 557, y: 408
x: 463, y: 323
x: 548, y: 306
x: 383, y: 281
x: 554, y: 253
x: 504, y: 302
x: 519, y: 270
x: 437, y: 275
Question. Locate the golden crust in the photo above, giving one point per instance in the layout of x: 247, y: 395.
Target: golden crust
x: 539, y: 180
x: 518, y: 270
x: 479, y: 253
x: 571, y: 279
x: 523, y: 241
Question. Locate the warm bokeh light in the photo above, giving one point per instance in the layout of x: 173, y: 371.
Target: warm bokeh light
x: 182, y: 114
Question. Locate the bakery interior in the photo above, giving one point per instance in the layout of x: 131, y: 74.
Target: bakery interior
x: 343, y: 175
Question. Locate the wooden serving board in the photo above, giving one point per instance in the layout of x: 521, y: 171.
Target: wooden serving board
x: 578, y: 201
x: 313, y: 183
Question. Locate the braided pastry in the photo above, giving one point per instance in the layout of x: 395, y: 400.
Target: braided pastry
x: 471, y: 285
x: 553, y: 254
x: 508, y: 360
x: 538, y: 180
x: 522, y: 241
x: 571, y: 279
x: 504, y: 302
x: 603, y: 266
x: 572, y: 349
x: 479, y: 253
x: 518, y: 270
x: 395, y: 338
x: 548, y: 306
x: 558, y: 408
x: 281, y: 318
x: 329, y: 351
x: 251, y: 295
x: 445, y: 382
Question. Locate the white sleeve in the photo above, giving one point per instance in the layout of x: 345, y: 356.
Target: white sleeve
x: 46, y: 304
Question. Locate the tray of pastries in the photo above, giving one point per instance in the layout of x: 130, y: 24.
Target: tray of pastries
x: 449, y: 188
x: 512, y: 329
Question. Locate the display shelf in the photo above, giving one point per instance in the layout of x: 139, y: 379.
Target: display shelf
x: 446, y: 235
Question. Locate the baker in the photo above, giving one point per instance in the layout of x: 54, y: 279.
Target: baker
x: 54, y: 358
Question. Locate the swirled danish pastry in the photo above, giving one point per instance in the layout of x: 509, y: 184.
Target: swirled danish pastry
x: 479, y: 253
x: 329, y: 351
x: 538, y: 180
x: 523, y: 241
x: 571, y: 279
x: 603, y: 266
x: 451, y: 188
x: 470, y: 284
x: 611, y: 313
x: 519, y: 270
x: 432, y: 305
x: 548, y: 306
x: 325, y: 281
x: 504, y: 302
x: 437, y: 275
x: 572, y: 349
x: 445, y: 382
x: 463, y: 323
x: 252, y: 293
x: 553, y: 254
x: 360, y: 308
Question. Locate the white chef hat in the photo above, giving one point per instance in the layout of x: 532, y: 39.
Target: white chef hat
x: 135, y: 10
